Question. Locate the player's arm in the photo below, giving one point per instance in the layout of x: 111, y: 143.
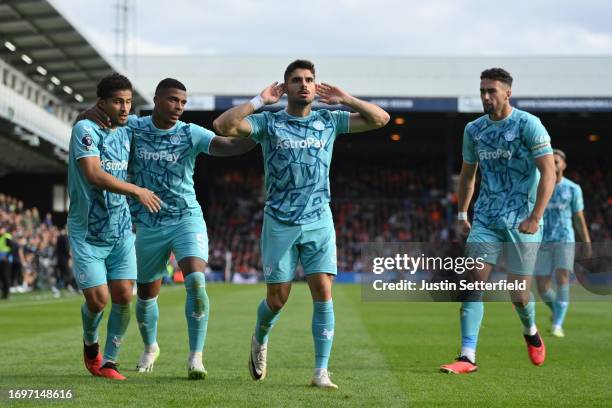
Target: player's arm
x: 90, y: 165
x: 367, y: 117
x: 465, y: 192
x: 581, y: 226
x: 233, y: 121
x: 96, y: 115
x: 467, y: 181
x: 230, y: 146
x: 546, y: 186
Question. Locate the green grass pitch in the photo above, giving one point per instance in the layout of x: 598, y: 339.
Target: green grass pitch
x: 385, y: 354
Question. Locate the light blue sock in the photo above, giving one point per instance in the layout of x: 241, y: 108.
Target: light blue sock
x: 471, y: 319
x: 561, y: 305
x: 91, y: 321
x: 323, y: 322
x: 118, y: 321
x: 527, y: 315
x: 197, y: 309
x: 147, y: 315
x: 266, y: 319
x: 549, y: 297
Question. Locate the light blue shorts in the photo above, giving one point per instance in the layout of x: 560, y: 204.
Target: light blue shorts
x: 519, y: 250
x: 154, y: 245
x: 283, y: 245
x: 95, y: 265
x: 555, y: 256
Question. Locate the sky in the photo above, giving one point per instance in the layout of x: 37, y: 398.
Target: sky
x: 351, y: 27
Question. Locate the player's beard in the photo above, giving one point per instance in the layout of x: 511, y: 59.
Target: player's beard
x: 488, y: 109
x: 303, y: 102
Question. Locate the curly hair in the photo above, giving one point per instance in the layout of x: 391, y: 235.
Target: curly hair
x: 111, y: 83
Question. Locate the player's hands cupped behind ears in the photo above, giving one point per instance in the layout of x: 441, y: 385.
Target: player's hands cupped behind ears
x: 331, y: 95
x: 272, y: 93
x: 463, y: 227
x: 148, y: 199
x: 529, y: 225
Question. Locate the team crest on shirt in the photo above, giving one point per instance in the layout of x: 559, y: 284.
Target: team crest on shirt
x: 279, y: 124
x: 509, y: 136
x: 318, y: 125
x: 175, y: 139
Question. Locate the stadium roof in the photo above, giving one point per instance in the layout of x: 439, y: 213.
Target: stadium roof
x: 384, y: 76
x: 37, y: 40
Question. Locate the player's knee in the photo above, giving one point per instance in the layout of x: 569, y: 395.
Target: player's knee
x: 96, y: 300
x: 521, y: 300
x: 562, y: 276
x: 276, y: 303
x: 542, y: 289
x: 123, y: 298
x: 148, y: 290
x: 96, y: 305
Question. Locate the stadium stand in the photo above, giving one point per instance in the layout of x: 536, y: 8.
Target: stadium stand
x: 31, y: 263
x: 414, y: 208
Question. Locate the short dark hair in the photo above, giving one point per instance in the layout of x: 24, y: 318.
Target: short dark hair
x: 170, y: 83
x: 111, y: 83
x: 560, y: 153
x: 299, y: 64
x: 497, y: 74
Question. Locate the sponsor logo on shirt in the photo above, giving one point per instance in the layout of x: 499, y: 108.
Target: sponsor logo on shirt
x: 494, y: 154
x: 142, y: 153
x: 110, y: 165
x: 309, y: 142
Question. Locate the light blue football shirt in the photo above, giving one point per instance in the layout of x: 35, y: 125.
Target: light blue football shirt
x: 505, y: 151
x: 565, y: 201
x: 297, y: 155
x: 100, y: 216
x: 163, y: 161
